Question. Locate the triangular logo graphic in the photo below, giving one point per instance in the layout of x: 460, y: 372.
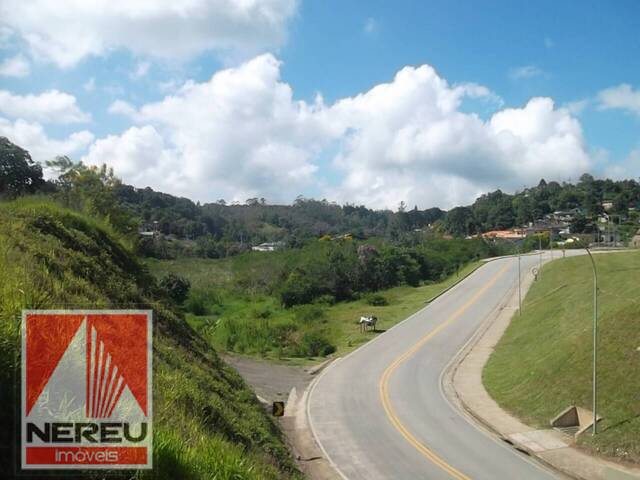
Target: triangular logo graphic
x: 86, y: 389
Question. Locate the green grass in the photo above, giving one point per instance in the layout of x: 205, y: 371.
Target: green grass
x: 543, y: 362
x: 256, y: 324
x: 207, y: 422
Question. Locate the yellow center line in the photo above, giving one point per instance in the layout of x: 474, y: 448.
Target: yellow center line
x: 384, y: 381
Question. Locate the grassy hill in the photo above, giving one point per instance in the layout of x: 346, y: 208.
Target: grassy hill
x: 543, y: 362
x: 207, y: 422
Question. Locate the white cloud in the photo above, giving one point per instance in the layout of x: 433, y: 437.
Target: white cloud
x: 120, y: 107
x: 242, y: 134
x: 526, y: 71
x: 17, y: 66
x: 51, y: 106
x: 621, y: 97
x: 31, y: 136
x: 238, y: 135
x: 66, y: 31
x: 134, y: 148
x: 408, y: 140
x: 90, y: 85
x: 578, y: 106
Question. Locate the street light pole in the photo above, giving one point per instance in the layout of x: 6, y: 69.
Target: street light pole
x: 595, y: 340
x: 519, y: 287
x: 540, y: 257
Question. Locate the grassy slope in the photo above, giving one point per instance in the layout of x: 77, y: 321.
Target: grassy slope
x: 336, y: 322
x: 543, y: 362
x: 207, y: 422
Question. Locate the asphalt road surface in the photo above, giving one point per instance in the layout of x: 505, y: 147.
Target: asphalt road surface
x: 380, y: 413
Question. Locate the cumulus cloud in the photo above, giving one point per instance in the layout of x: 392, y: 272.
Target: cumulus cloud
x: 16, y: 66
x: 242, y: 134
x: 622, y: 97
x: 32, y: 136
x: 66, y: 31
x: 120, y: 107
x: 408, y: 140
x: 51, y: 106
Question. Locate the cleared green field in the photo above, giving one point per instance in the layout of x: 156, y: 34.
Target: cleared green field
x: 543, y: 362
x: 256, y: 324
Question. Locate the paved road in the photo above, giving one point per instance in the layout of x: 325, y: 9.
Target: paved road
x: 380, y: 412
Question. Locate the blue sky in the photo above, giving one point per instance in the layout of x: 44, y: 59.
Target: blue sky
x: 224, y: 99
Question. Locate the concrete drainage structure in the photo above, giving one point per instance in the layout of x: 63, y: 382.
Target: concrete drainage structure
x: 574, y: 420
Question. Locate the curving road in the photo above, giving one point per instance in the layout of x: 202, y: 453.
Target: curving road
x: 380, y: 413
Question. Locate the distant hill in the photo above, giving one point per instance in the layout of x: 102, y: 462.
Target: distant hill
x: 173, y: 226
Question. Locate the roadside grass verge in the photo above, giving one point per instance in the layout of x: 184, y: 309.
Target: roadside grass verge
x: 207, y: 422
x: 257, y: 325
x: 543, y: 363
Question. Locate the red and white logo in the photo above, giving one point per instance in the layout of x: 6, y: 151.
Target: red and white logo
x: 86, y: 389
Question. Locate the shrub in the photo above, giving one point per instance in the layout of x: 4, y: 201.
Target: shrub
x: 326, y: 299
x: 377, y: 300
x: 297, y: 290
x: 262, y: 312
x: 176, y: 287
x: 197, y: 302
x: 310, y: 313
x: 315, y: 344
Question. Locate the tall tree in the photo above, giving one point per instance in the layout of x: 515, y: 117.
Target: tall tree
x: 19, y: 174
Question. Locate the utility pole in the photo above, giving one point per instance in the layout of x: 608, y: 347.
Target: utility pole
x: 540, y: 257
x: 519, y: 286
x: 595, y: 342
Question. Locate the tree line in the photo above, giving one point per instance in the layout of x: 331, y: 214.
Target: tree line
x: 218, y: 229
x: 498, y: 210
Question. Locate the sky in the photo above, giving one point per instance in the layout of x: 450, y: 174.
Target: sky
x: 427, y: 102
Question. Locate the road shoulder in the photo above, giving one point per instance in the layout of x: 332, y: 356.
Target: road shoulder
x: 462, y: 384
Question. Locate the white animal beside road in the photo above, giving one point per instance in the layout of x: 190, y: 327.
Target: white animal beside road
x: 366, y: 322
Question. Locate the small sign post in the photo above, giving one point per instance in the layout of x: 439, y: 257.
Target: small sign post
x: 278, y: 409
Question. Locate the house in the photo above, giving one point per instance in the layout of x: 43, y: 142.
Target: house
x: 514, y: 234
x: 565, y: 215
x: 268, y: 247
x: 607, y: 205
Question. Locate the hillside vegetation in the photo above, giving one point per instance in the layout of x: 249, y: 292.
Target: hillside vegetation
x: 543, y: 362
x: 208, y: 424
x: 259, y: 325
x: 306, y: 302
